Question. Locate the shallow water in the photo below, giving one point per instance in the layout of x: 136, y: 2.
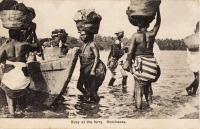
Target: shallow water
x: 169, y: 99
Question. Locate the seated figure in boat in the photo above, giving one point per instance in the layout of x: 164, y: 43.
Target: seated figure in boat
x: 15, y: 80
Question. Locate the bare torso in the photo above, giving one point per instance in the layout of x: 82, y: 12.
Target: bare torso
x: 16, y: 51
x: 144, y: 43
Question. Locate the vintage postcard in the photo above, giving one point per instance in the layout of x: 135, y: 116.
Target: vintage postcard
x: 121, y: 64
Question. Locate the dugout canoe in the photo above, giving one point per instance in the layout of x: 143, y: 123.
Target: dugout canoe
x: 50, y: 77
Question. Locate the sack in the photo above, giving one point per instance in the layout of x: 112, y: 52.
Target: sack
x: 112, y: 63
x: 192, y: 42
x: 15, y: 19
x: 142, y: 10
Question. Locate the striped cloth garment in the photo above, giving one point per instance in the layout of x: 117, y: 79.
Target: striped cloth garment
x: 146, y: 68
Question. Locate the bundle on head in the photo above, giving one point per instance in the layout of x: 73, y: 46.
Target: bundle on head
x: 142, y: 10
x: 7, y: 4
x: 87, y: 20
x: 18, y: 17
x: 59, y: 34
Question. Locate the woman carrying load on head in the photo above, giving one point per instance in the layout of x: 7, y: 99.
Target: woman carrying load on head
x: 93, y: 70
x: 145, y: 67
x: 15, y: 80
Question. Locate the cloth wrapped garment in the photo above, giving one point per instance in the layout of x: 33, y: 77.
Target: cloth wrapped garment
x: 146, y: 69
x: 118, y: 71
x: 86, y: 66
x: 193, y: 60
x: 16, y: 78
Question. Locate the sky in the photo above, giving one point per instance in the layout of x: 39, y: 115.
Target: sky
x: 179, y: 17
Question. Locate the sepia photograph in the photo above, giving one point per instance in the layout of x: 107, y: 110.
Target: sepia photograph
x: 123, y: 64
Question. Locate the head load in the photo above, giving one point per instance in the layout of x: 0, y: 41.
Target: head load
x: 87, y: 20
x: 16, y: 15
x: 59, y: 34
x: 142, y: 12
x: 119, y: 33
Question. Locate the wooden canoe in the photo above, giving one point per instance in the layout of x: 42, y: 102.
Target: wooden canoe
x: 50, y: 77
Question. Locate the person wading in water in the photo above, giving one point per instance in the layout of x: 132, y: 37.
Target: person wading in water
x: 146, y: 69
x: 15, y: 80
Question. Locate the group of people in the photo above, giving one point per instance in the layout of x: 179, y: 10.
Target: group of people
x: 138, y: 59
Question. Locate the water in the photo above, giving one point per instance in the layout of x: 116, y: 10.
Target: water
x: 169, y: 99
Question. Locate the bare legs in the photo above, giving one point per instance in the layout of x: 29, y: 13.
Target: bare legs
x: 192, y: 89
x: 140, y: 89
x: 12, y: 103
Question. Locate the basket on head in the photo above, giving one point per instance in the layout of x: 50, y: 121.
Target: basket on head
x: 15, y: 19
x: 87, y: 20
x: 142, y: 10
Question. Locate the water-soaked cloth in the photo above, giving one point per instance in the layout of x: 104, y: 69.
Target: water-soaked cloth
x: 193, y: 60
x: 87, y: 59
x: 17, y: 77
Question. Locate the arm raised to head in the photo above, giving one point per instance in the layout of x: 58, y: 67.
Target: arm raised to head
x: 154, y: 31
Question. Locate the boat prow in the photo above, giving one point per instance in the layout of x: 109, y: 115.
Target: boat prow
x: 50, y: 78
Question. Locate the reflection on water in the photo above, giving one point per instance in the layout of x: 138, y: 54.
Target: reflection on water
x: 116, y: 102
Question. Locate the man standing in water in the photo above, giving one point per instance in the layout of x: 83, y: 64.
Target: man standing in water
x: 146, y: 69
x: 114, y: 62
x: 16, y: 79
x: 193, y: 62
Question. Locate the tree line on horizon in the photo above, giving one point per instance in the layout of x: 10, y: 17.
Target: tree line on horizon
x: 104, y: 42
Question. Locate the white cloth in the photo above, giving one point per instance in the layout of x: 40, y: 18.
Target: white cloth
x: 156, y: 51
x: 119, y: 71
x: 193, y: 60
x: 15, y: 79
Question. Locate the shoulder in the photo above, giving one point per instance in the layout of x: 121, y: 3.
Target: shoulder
x: 135, y: 35
x: 93, y: 44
